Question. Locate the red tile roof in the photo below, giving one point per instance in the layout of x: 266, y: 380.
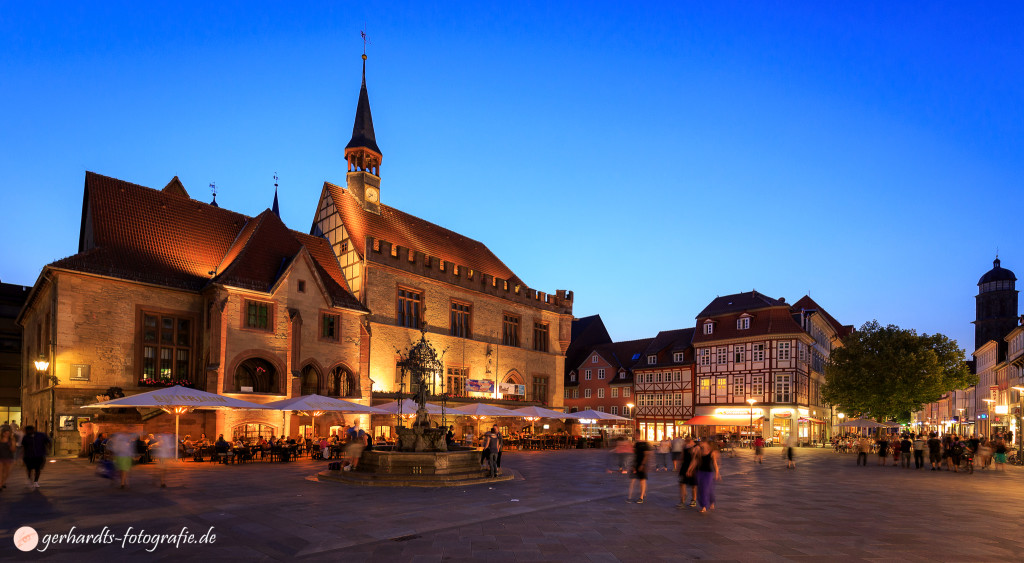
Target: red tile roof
x: 161, y: 237
x: 411, y: 232
x: 774, y: 320
x: 806, y: 302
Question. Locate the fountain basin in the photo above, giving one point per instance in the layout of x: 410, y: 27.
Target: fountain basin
x: 417, y: 469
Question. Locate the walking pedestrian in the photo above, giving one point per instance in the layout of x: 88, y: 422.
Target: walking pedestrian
x: 34, y: 447
x: 677, y: 451
x: 641, y: 461
x: 999, y: 455
x: 906, y: 447
x: 790, y: 446
x: 934, y: 451
x: 122, y: 445
x: 705, y: 466
x: 7, y: 448
x: 622, y: 450
x: 164, y: 449
x: 919, y: 446
x: 664, y: 451
x: 492, y: 444
x: 883, y: 449
x: 863, y: 449
x: 686, y: 479
x: 759, y: 450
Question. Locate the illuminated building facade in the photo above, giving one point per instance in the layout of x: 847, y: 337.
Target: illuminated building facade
x: 503, y: 342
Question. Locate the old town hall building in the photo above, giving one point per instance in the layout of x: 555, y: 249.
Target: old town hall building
x: 503, y: 340
x: 165, y: 290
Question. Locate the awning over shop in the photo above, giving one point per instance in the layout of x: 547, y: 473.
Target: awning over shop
x: 721, y: 420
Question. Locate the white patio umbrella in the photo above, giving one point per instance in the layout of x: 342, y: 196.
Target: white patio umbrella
x: 595, y: 415
x: 408, y: 407
x: 316, y: 405
x: 534, y: 413
x: 480, y: 410
x: 591, y: 414
x: 177, y: 400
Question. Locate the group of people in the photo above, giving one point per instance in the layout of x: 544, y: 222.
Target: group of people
x: 29, y: 445
x: 695, y: 461
x: 949, y: 451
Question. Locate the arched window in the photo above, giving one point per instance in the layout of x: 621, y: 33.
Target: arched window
x: 255, y: 375
x: 341, y: 383
x: 310, y: 380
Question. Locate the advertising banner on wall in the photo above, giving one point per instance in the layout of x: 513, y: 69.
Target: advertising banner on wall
x: 480, y: 385
x: 511, y: 389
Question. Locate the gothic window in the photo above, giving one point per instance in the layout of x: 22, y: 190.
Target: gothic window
x: 340, y: 383
x: 255, y: 375
x: 310, y: 381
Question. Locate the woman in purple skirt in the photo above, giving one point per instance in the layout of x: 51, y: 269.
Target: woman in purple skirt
x: 705, y: 466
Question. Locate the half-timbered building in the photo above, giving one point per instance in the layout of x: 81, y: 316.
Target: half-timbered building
x: 759, y: 366
x: 663, y: 385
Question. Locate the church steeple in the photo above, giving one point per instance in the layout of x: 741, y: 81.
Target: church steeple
x: 363, y: 155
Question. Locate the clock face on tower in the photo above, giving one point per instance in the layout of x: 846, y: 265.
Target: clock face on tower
x: 371, y: 195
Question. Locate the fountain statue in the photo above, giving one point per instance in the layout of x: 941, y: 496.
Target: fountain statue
x: 423, y: 367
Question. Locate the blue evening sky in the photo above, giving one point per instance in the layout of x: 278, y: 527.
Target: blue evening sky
x: 648, y: 156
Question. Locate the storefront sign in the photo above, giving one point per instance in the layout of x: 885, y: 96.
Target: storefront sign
x: 738, y: 412
x: 782, y: 414
x: 1002, y: 409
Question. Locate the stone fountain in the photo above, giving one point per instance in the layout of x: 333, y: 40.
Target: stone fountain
x: 421, y: 457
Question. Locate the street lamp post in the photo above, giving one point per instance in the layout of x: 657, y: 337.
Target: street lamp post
x: 43, y: 366
x: 751, y: 403
x: 988, y: 416
x: 629, y: 415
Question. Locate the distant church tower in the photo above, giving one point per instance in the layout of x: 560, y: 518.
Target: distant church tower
x: 996, y: 305
x: 363, y: 155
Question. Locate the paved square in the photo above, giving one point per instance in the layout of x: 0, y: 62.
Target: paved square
x: 565, y: 507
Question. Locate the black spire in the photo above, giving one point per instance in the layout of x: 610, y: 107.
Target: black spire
x: 362, y: 130
x: 276, y: 209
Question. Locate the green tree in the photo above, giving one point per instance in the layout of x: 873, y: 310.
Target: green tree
x: 890, y: 372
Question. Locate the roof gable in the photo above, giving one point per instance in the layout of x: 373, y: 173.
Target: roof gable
x: 151, y: 236
x: 175, y: 187
x: 737, y: 302
x: 409, y: 231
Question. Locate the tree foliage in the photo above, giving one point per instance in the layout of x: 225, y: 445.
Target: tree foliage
x: 890, y: 372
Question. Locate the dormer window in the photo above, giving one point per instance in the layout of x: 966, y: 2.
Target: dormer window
x: 743, y: 323
x: 652, y: 359
x: 677, y: 357
x: 709, y: 327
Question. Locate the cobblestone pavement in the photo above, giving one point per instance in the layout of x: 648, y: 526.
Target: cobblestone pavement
x: 563, y: 506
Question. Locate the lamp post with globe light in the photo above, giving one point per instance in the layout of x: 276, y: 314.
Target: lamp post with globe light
x: 751, y: 403
x: 988, y: 416
x: 632, y: 424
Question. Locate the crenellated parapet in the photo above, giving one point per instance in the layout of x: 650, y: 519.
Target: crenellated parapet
x: 406, y: 259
